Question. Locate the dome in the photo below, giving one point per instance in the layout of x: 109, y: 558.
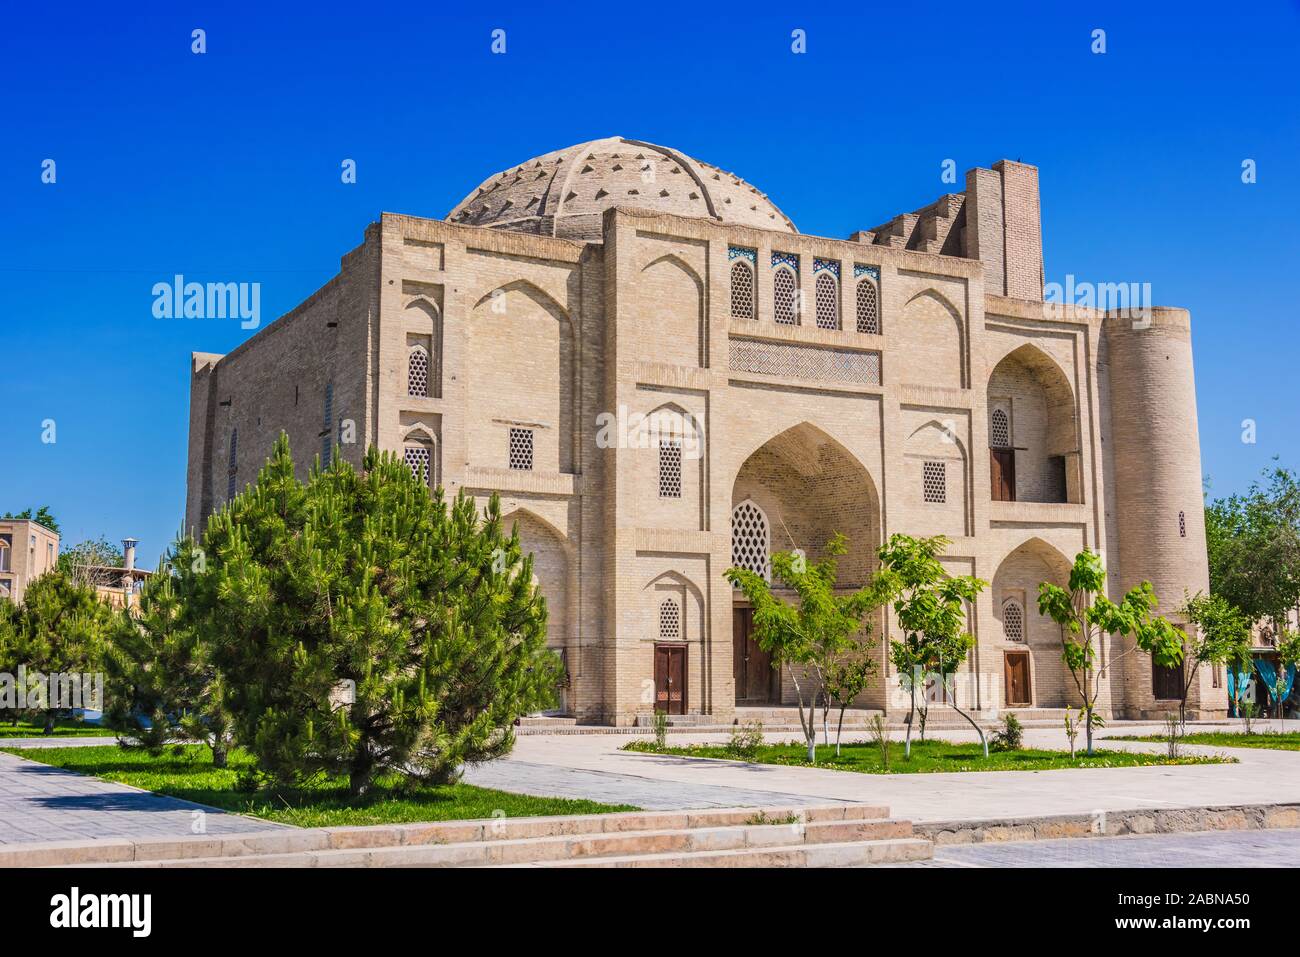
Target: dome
x: 565, y: 193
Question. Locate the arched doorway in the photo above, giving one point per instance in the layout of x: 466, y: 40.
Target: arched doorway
x: 1033, y: 672
x: 796, y: 491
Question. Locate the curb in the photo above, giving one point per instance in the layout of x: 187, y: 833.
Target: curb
x: 1223, y: 817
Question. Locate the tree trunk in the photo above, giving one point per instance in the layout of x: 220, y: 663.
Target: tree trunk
x: 978, y: 730
x: 219, y: 754
x: 907, y: 743
x: 49, y: 723
x: 360, y: 773
x: 839, y: 730
x: 1088, y: 727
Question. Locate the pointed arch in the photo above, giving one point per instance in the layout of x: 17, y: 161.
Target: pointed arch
x: 670, y: 313
x: 680, y: 263
x: 1033, y: 392
x: 532, y: 291
x: 932, y: 326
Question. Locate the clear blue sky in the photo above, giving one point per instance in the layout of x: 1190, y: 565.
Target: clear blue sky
x: 225, y: 167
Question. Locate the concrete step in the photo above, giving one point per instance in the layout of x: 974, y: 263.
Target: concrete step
x: 294, y: 841
x: 568, y: 848
x: 848, y: 854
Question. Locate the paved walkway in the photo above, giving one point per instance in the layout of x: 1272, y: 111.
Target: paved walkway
x: 41, y: 803
x: 1208, y: 849
x: 549, y: 765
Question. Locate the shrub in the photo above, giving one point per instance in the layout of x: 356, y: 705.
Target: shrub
x: 745, y: 741
x: 1010, y: 737
x: 661, y: 730
x: 879, y: 732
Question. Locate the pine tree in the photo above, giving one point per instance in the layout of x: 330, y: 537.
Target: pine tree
x: 60, y: 629
x: 164, y: 687
x: 362, y: 626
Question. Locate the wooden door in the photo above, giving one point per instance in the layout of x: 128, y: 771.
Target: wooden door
x: 1002, y: 463
x: 1018, y: 679
x: 670, y: 679
x: 751, y: 666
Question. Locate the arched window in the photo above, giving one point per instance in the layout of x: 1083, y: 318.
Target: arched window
x: 417, y: 372
x: 1013, y: 620
x: 827, y: 292
x: 232, y: 470
x: 750, y: 539
x: 670, y: 621
x: 1000, y: 430
x: 868, y: 307
x: 419, y: 459
x: 742, y: 290
x: 784, y: 297
x: 4, y: 556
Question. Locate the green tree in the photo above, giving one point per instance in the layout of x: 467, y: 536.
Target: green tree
x: 361, y: 626
x: 43, y: 515
x: 930, y: 606
x: 1221, y: 635
x: 1085, y: 614
x: 164, y: 687
x: 1288, y: 654
x: 61, y: 629
x: 848, y: 678
x: 808, y: 637
x: 1253, y: 545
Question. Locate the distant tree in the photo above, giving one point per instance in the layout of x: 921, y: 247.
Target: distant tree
x: 809, y: 637
x: 1253, y: 546
x: 930, y: 606
x: 85, y: 561
x: 43, y: 515
x: 1085, y: 615
x: 164, y: 687
x: 60, y: 629
x: 1220, y: 636
x: 362, y: 627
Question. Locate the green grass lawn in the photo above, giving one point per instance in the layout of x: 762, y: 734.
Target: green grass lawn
x: 62, y: 729
x: 929, y: 756
x: 189, y: 774
x: 1281, y: 741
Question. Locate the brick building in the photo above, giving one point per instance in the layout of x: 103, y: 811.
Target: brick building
x: 660, y: 375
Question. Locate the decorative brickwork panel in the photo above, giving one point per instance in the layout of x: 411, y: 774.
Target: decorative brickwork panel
x: 815, y: 363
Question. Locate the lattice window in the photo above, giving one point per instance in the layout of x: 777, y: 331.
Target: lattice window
x: 827, y: 292
x: 232, y: 470
x: 934, y: 482
x: 417, y: 372
x: 868, y: 307
x: 670, y: 621
x: 742, y: 290
x: 1013, y: 620
x: 520, y: 453
x: 1000, y: 430
x: 670, y: 468
x: 1182, y: 525
x: 419, y: 459
x: 750, y: 539
x: 785, y: 297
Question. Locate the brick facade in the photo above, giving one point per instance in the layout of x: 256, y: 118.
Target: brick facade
x: 583, y: 314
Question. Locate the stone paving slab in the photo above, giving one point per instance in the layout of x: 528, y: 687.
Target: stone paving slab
x: 41, y: 803
x: 548, y: 780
